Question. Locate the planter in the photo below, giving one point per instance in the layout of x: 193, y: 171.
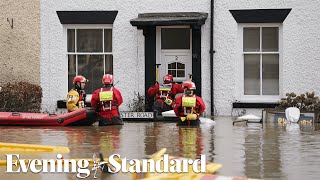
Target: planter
x: 272, y: 115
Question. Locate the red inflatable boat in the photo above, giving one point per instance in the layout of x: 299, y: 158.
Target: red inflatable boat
x: 80, y: 117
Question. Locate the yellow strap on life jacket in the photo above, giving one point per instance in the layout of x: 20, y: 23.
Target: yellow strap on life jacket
x: 106, y: 96
x: 189, y: 101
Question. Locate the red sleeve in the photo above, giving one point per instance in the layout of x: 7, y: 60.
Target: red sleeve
x: 118, y: 96
x: 202, y: 106
x: 152, y: 91
x: 177, y: 106
x: 95, y: 99
x: 177, y: 89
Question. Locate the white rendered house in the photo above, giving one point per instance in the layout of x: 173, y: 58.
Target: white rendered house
x: 241, y: 55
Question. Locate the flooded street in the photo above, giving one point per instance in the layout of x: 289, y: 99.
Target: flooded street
x: 268, y: 151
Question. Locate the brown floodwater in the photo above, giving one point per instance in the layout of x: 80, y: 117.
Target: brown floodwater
x: 269, y: 151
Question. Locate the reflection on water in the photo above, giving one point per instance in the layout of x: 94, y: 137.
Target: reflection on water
x: 190, y: 140
x: 270, y: 151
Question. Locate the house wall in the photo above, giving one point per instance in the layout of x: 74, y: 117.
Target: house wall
x: 300, y: 57
x: 300, y: 44
x: 20, y: 45
x: 128, y: 45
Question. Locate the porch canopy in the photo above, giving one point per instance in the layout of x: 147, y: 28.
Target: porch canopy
x: 167, y: 19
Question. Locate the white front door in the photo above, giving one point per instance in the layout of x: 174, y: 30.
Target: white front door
x: 174, y: 52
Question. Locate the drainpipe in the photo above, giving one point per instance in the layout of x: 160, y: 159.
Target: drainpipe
x: 211, y: 57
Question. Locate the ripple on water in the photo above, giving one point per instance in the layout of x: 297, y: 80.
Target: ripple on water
x: 270, y: 151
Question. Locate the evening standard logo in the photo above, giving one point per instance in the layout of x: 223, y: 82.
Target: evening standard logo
x: 113, y: 165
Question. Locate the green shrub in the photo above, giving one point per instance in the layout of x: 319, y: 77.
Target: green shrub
x: 20, y: 97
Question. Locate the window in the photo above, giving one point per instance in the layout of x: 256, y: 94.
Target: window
x: 175, y: 38
x: 176, y: 69
x: 89, y: 54
x: 261, y: 64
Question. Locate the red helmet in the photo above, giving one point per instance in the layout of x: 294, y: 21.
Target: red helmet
x: 167, y: 78
x: 107, y: 79
x: 189, y: 85
x: 79, y: 79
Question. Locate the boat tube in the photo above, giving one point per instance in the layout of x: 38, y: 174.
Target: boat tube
x: 78, y: 117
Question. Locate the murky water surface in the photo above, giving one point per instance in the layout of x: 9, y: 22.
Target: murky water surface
x: 268, y: 151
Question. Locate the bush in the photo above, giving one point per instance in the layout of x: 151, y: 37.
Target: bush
x: 20, y: 97
x: 305, y: 102
x: 137, y: 104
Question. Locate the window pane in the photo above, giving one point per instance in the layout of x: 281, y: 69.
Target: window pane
x: 172, y: 66
x: 180, y: 73
x: 71, y: 70
x: 270, y: 39
x: 91, y: 67
x: 251, y: 39
x: 109, y: 64
x: 252, y: 74
x: 172, y: 72
x: 175, y: 38
x: 108, y: 40
x: 71, y: 40
x: 89, y: 40
x: 270, y: 74
x: 180, y: 66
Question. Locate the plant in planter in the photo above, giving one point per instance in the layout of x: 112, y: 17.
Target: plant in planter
x: 137, y: 104
x: 305, y: 102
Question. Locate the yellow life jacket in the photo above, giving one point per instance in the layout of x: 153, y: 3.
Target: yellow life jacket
x: 188, y: 104
x: 189, y: 101
x: 165, y: 90
x: 106, y: 98
x: 72, y: 100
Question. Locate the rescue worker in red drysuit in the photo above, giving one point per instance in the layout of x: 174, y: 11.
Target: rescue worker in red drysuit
x: 107, y: 101
x: 164, y: 94
x: 189, y: 107
x: 76, y: 97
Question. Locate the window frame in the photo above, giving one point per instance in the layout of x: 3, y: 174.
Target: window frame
x: 65, y: 45
x: 258, y: 98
